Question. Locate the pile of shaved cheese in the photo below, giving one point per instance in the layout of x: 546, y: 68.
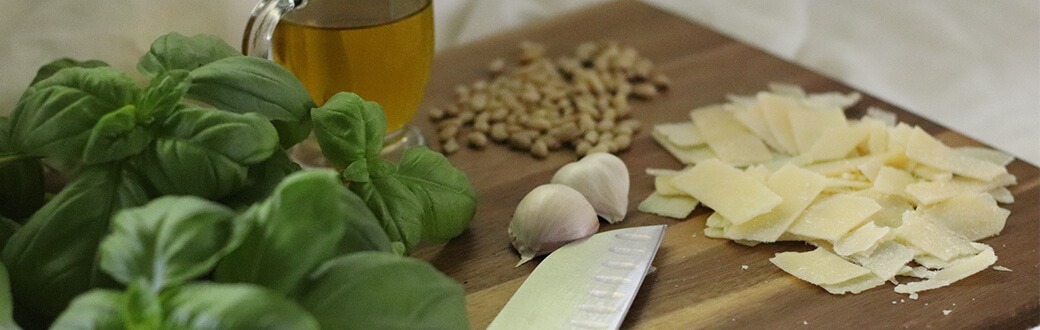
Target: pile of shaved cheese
x: 878, y: 199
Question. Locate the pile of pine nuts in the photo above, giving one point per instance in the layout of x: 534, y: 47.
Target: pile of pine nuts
x: 541, y: 104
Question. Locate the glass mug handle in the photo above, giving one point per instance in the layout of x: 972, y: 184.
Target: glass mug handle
x: 257, y: 38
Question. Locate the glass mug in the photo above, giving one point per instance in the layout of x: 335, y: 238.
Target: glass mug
x: 381, y: 50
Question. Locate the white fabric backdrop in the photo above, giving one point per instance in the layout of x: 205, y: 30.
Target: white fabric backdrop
x: 973, y: 66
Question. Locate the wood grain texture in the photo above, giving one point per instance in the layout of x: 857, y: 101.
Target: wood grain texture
x: 700, y: 282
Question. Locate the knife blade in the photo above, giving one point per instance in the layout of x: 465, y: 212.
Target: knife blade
x: 587, y: 284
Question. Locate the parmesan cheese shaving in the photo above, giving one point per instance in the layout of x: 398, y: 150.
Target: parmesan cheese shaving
x: 930, y: 192
x: 753, y: 118
x: 729, y: 139
x: 924, y: 148
x: 661, y: 171
x: 798, y: 188
x: 887, y: 260
x: 993, y: 156
x: 836, y: 143
x: 974, y: 216
x: 736, y: 195
x: 774, y: 111
x: 680, y: 134
x: 663, y: 186
x: 686, y: 155
x: 808, y: 125
x: 818, y: 266
x: 833, y: 217
x: 863, y: 239
x: 677, y: 207
x: 932, y: 238
x: 957, y: 271
x: 856, y: 285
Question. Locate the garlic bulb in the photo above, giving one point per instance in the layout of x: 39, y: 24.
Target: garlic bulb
x: 603, y: 179
x: 549, y: 217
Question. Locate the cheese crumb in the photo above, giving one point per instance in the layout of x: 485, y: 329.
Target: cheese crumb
x: 743, y: 267
x: 1002, y: 268
x: 947, y: 312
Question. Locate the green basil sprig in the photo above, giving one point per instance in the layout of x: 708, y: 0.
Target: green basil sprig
x: 225, y: 79
x: 54, y: 118
x: 422, y: 198
x: 309, y: 218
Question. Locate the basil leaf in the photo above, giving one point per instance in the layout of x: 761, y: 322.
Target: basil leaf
x: 243, y: 138
x: 261, y: 180
x: 206, y: 152
x: 53, y: 257
x: 140, y: 307
x: 449, y: 201
x: 291, y: 133
x: 163, y: 95
x: 396, y: 207
x: 7, y: 229
x: 297, y: 228
x: 357, y: 171
x: 375, y: 290
x: 53, y: 67
x: 21, y: 188
x: 98, y: 309
x: 246, y: 84
x: 349, y: 129
x: 169, y: 241
x: 6, y: 304
x: 116, y: 135
x: 363, y: 230
x: 231, y: 306
x: 105, y: 86
x: 178, y: 167
x: 225, y: 79
x: 174, y: 51
x: 54, y: 118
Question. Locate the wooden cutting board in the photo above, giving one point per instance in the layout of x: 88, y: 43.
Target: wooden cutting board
x: 701, y: 282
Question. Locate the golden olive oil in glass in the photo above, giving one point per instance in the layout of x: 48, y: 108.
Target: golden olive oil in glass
x: 380, y: 50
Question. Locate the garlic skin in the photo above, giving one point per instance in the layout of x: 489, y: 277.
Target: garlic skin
x: 603, y: 179
x: 548, y: 217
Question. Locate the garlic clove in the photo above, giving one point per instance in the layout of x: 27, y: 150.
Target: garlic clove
x: 548, y: 217
x: 603, y: 179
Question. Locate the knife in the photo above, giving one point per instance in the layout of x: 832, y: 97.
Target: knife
x: 587, y: 284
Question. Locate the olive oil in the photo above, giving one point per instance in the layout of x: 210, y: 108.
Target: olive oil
x: 380, y: 50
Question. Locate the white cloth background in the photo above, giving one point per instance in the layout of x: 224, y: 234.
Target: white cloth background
x: 973, y: 66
